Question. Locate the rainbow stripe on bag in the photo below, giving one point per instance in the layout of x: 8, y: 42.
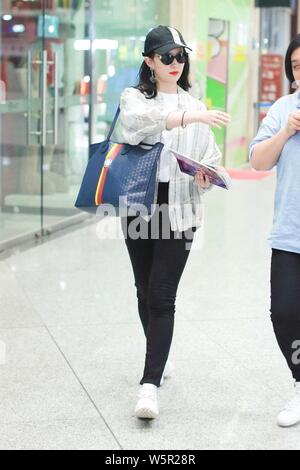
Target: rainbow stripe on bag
x: 111, y: 155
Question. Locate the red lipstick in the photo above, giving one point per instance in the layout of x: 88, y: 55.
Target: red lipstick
x: 173, y: 73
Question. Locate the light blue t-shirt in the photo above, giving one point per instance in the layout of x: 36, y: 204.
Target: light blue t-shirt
x: 285, y: 234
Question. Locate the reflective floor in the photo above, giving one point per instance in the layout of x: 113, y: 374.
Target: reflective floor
x: 72, y: 348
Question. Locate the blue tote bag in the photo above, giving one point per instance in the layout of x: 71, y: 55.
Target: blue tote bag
x: 120, y: 175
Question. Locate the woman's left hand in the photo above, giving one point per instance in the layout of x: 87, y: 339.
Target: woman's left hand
x: 202, y: 180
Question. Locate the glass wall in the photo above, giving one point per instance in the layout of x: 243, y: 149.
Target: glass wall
x: 44, y: 117
x: 63, y: 66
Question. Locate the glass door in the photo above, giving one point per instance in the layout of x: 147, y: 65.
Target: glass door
x: 20, y: 118
x: 66, y: 51
x: 44, y: 112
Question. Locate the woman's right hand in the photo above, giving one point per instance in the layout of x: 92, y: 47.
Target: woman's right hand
x: 214, y: 118
x: 293, y: 124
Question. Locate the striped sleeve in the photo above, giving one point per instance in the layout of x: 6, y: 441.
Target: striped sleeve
x: 140, y: 117
x: 210, y: 153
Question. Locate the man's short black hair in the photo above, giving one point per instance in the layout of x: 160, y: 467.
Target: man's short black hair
x: 294, y: 44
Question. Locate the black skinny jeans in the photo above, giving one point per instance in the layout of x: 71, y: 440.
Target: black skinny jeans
x: 157, y: 266
x: 285, y: 306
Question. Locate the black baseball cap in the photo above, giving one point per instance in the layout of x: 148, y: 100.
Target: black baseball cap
x: 162, y: 39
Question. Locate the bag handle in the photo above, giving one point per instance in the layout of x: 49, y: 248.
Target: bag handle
x: 113, y: 123
x: 112, y: 127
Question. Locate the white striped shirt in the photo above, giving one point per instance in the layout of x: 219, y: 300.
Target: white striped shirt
x: 144, y: 120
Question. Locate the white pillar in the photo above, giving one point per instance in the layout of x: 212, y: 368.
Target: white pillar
x: 183, y: 16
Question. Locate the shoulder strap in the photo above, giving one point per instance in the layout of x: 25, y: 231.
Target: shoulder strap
x: 113, y: 123
x: 113, y: 126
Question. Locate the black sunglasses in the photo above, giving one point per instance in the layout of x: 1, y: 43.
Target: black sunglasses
x: 168, y: 58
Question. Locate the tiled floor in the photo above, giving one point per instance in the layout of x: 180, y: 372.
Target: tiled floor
x: 72, y: 349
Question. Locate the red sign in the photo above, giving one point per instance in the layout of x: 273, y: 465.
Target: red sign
x: 271, y: 70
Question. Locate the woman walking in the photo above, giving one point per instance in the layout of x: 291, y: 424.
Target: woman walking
x: 160, y: 109
x: 278, y: 144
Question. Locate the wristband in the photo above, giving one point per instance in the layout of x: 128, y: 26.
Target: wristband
x: 183, y: 127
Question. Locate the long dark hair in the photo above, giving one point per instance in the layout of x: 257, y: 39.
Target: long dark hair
x: 149, y: 89
x: 294, y: 44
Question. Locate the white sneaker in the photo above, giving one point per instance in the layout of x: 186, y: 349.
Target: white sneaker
x: 147, y: 405
x: 291, y: 412
x: 168, y: 371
